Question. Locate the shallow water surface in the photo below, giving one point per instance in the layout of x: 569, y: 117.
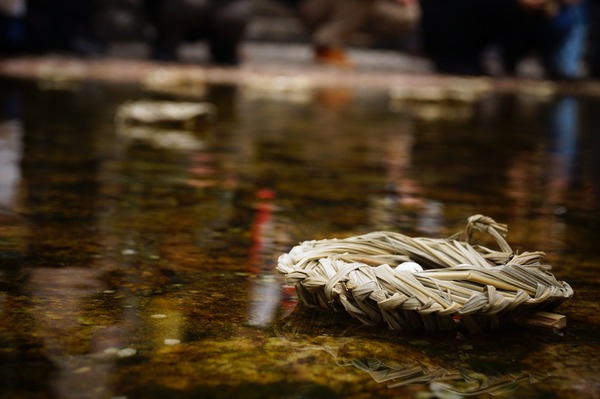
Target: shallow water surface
x: 132, y: 265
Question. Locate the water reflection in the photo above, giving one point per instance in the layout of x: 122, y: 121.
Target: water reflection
x: 11, y: 147
x: 140, y: 267
x: 442, y: 369
x: 444, y: 383
x: 11, y: 135
x: 403, y: 203
x: 565, y: 131
x: 265, y: 288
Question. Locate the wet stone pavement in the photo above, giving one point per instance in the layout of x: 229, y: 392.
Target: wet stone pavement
x: 140, y: 263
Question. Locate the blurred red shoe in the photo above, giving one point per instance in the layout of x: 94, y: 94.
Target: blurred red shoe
x: 332, y: 56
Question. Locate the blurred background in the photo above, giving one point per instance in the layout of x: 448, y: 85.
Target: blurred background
x: 464, y: 37
x: 157, y: 157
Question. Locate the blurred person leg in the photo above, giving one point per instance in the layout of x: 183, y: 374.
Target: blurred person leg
x: 566, y: 40
x: 452, y: 35
x: 38, y: 26
x: 119, y: 21
x: 228, y: 27
x: 81, y: 37
x: 595, y: 60
x: 172, y: 21
x: 331, y: 22
x: 557, y: 31
x: 594, y: 40
x: 221, y: 22
x: 12, y: 26
x: 520, y: 34
x: 62, y: 25
x: 456, y: 33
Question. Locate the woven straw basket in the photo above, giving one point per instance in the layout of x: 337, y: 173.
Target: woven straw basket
x: 439, y: 284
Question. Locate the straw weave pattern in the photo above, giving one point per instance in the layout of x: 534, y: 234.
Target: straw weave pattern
x: 460, y: 284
